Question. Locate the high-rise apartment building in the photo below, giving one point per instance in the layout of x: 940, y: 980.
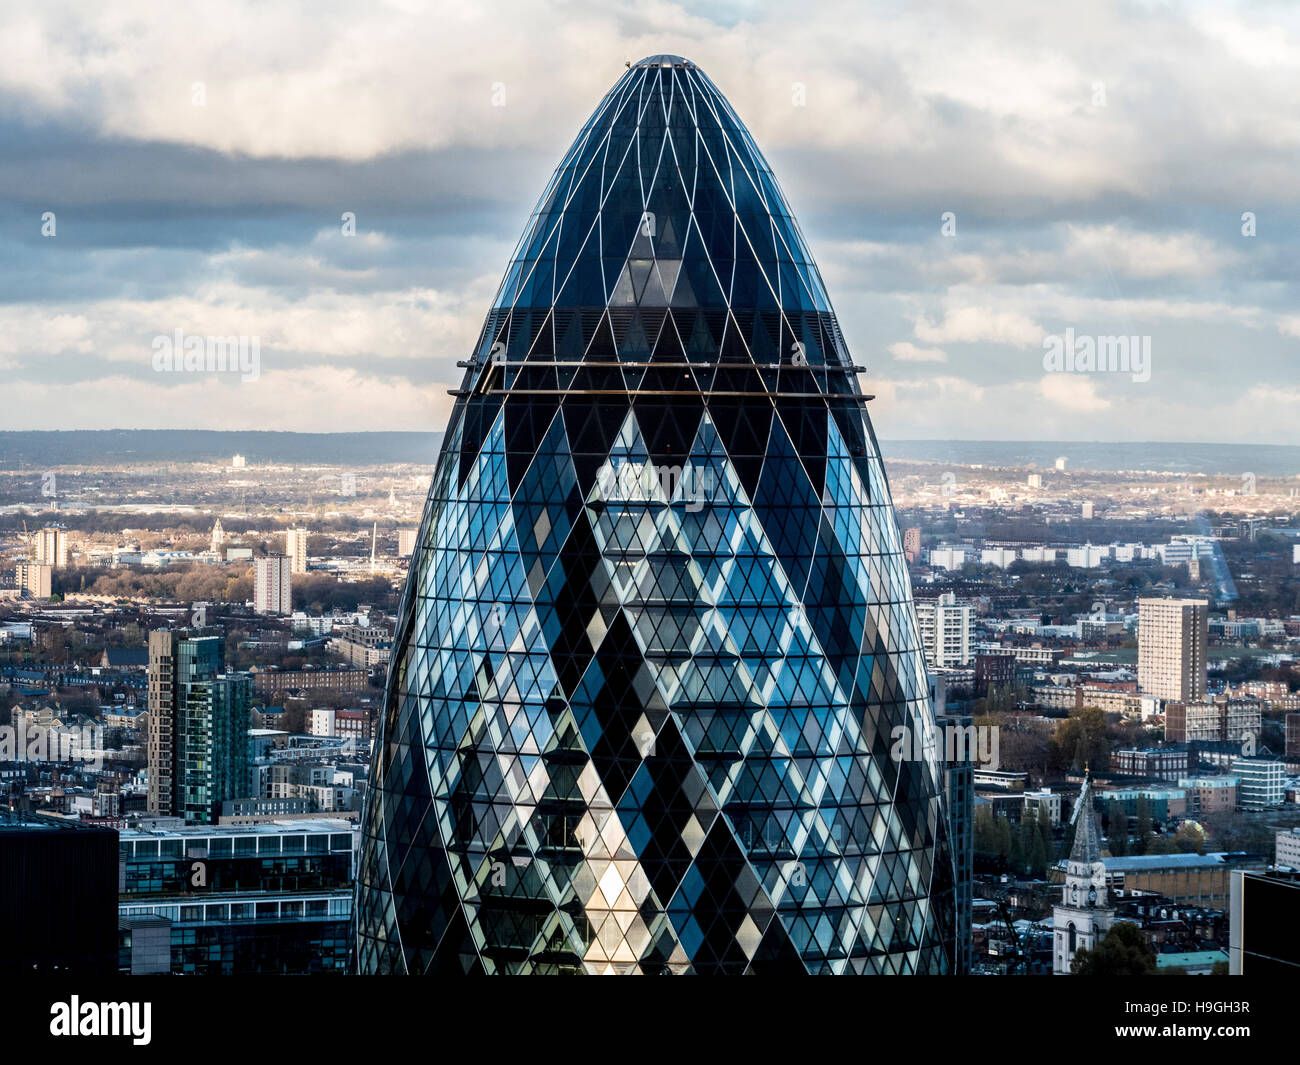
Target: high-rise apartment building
x: 198, y: 727
x: 273, y: 585
x: 945, y: 630
x: 1172, y: 638
x: 912, y: 544
x: 50, y: 547
x: 213, y: 727
x: 295, y: 546
x: 660, y: 579
x: 406, y: 542
x: 35, y: 579
x: 958, y: 774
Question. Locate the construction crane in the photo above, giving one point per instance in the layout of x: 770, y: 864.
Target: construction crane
x: 1020, y: 948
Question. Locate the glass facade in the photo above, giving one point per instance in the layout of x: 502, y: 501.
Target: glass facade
x: 213, y: 716
x: 274, y: 898
x: 658, y: 636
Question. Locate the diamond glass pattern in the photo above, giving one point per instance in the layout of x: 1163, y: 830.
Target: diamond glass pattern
x: 658, y: 630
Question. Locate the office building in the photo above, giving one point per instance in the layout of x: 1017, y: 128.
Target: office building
x: 945, y: 630
x: 295, y: 547
x: 1261, y: 783
x: 1287, y: 851
x: 50, y: 547
x: 272, y: 585
x: 273, y: 898
x: 640, y: 609
x: 1172, y: 639
x: 35, y: 579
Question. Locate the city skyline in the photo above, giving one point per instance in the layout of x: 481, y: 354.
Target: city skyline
x: 211, y: 202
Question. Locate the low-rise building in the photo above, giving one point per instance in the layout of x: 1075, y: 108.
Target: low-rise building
x: 1162, y: 763
x: 1209, y: 795
x: 1261, y: 783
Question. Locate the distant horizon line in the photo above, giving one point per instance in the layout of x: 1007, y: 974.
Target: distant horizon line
x: 898, y: 439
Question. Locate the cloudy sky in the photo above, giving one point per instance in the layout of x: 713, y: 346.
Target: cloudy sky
x: 1097, y: 162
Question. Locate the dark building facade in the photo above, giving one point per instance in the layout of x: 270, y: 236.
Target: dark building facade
x: 994, y: 673
x: 1264, y: 936
x: 658, y: 633
x: 58, y: 897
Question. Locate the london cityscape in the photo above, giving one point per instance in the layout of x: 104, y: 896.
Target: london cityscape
x: 855, y: 531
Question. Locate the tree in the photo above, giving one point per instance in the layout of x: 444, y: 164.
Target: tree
x: 1049, y: 837
x: 1003, y: 826
x: 1142, y: 833
x: 1189, y: 839
x: 1080, y: 742
x: 1124, y: 952
x: 1038, y: 855
x: 1118, y: 837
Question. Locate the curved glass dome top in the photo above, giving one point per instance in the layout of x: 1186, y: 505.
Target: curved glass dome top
x: 647, y: 723
x: 665, y: 170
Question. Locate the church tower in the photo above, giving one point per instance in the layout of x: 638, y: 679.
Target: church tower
x: 1084, y: 914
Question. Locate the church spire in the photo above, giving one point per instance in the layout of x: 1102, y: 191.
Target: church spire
x: 1087, y: 839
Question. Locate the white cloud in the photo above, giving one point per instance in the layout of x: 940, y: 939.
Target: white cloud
x: 314, y: 399
x: 969, y: 325
x: 906, y: 351
x: 1074, y: 392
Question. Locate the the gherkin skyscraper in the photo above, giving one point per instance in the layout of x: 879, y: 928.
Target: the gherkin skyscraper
x: 658, y: 635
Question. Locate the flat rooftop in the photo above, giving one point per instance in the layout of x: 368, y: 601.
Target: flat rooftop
x: 312, y: 826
